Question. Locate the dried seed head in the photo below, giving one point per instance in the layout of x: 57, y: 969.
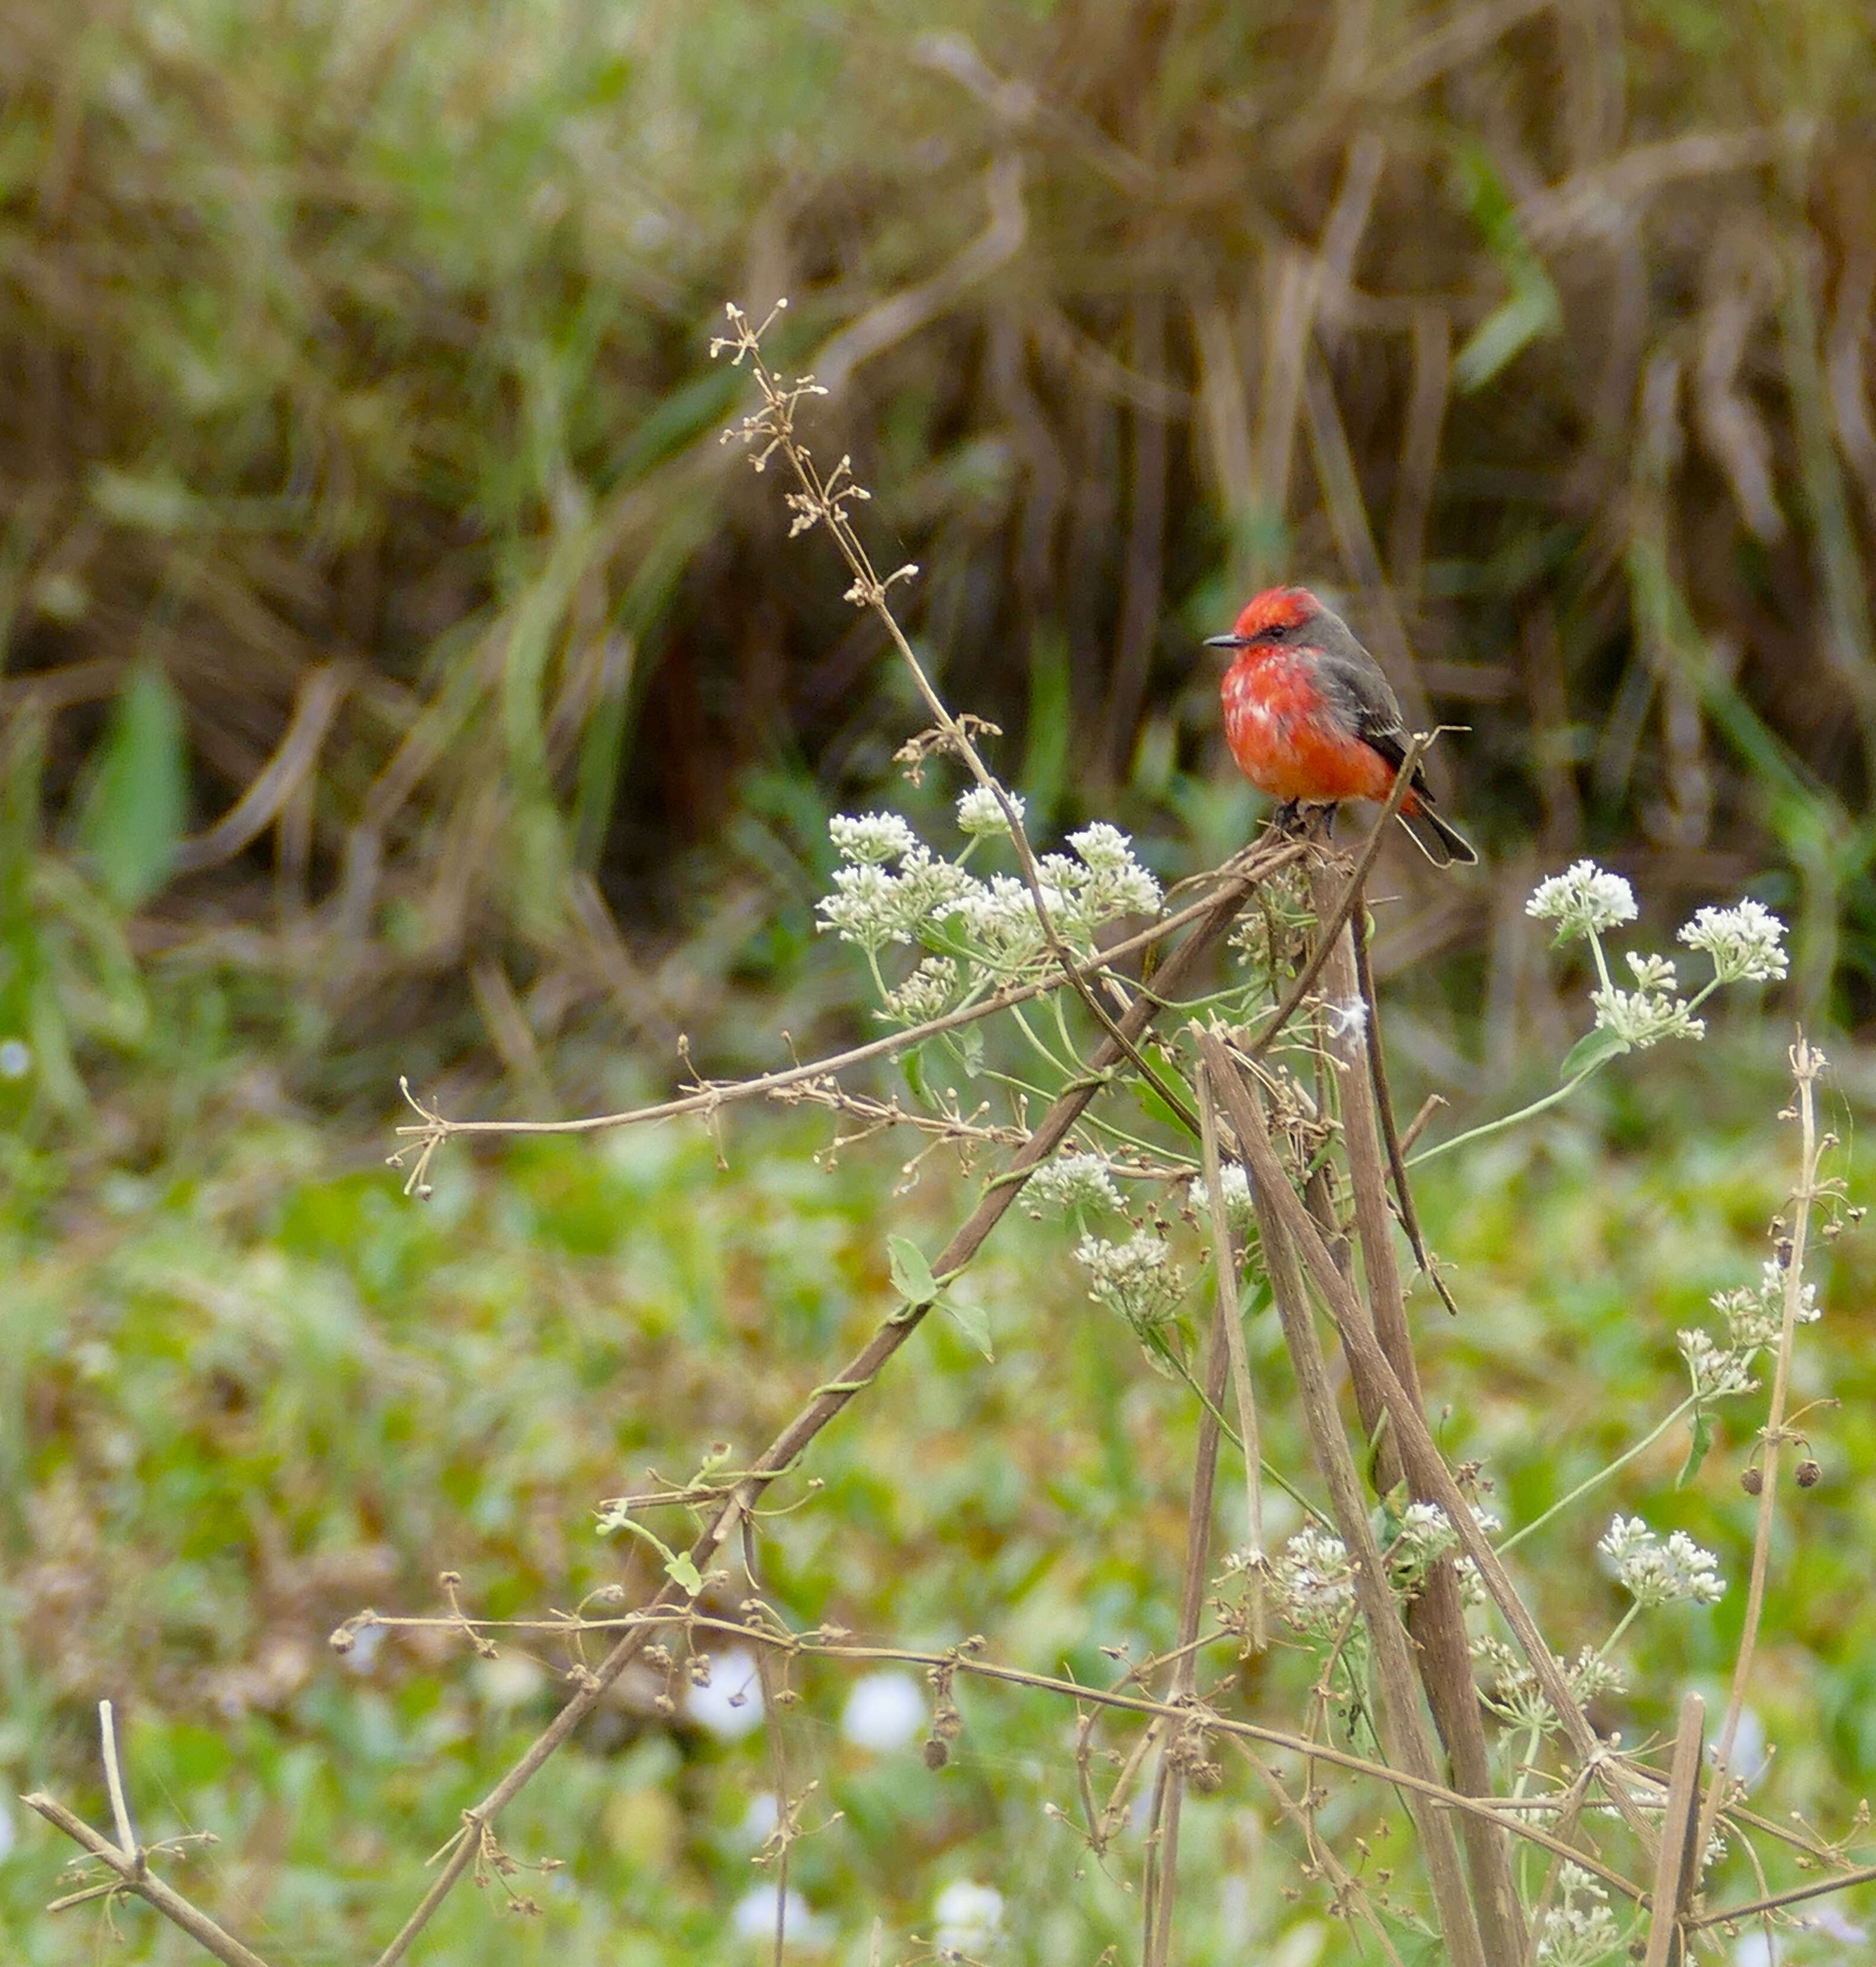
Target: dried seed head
x: 1752, y: 1480
x: 342, y: 1640
x: 937, y: 1753
x: 1809, y: 1475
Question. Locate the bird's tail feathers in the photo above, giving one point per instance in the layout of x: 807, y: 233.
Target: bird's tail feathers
x: 1441, y: 843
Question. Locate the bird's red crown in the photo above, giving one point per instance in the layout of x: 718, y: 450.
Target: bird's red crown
x: 1277, y: 608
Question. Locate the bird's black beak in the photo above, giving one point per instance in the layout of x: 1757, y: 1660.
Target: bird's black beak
x: 1227, y: 641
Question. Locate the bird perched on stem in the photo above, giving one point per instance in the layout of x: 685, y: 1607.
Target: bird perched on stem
x: 1311, y: 720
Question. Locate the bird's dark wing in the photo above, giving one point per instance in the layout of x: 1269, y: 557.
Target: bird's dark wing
x: 1352, y: 680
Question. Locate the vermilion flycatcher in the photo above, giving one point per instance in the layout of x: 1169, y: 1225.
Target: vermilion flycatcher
x: 1311, y: 720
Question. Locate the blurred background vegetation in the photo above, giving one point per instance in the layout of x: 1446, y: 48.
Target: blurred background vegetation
x: 399, y: 676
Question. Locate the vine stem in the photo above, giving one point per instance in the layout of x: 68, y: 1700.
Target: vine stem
x: 1601, y: 1476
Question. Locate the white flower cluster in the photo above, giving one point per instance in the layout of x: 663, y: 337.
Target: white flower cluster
x: 1580, y: 1931
x: 871, y: 905
x: 1654, y: 1573
x: 1313, y: 1579
x: 1516, y: 1694
x: 1714, y: 1371
x: 1652, y: 1011
x: 871, y: 839
x: 992, y: 924
x: 1425, y: 1535
x: 1747, y: 943
x: 1073, y: 1182
x: 1754, y: 1316
x: 1585, y: 899
x: 978, y: 811
x: 927, y: 993
x: 1138, y: 1279
x: 1235, y: 1185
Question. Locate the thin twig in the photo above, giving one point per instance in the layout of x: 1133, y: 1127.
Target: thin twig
x: 1862, y: 1875
x: 114, y: 1781
x: 138, y: 1878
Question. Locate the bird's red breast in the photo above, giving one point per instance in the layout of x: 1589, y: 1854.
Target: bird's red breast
x: 1287, y: 738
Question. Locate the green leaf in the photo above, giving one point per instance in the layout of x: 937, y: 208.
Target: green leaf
x: 911, y: 1063
x: 132, y: 814
x: 912, y: 1275
x: 1592, y: 1049
x: 969, y: 1045
x: 682, y: 1573
x: 1701, y: 1441
x: 972, y: 1321
x: 1532, y: 311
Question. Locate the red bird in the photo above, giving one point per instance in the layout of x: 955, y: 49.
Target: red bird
x: 1311, y: 720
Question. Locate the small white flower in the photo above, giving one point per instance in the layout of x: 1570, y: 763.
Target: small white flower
x: 1654, y: 1573
x: 1580, y: 1931
x: 1137, y: 1278
x: 1583, y: 899
x: 1771, y: 1291
x: 999, y: 919
x: 978, y: 811
x: 1746, y: 943
x: 932, y: 889
x: 926, y: 994
x: 1074, y: 1181
x: 1756, y: 1316
x: 1313, y: 1581
x: 1425, y: 1535
x: 1119, y: 885
x: 871, y: 837
x: 970, y: 1918
x: 864, y: 907
x: 1715, y: 1370
x: 1643, y: 1017
x: 1234, y: 1184
x: 1655, y: 974
x: 1590, y: 1676
x: 1104, y: 849
x: 872, y: 907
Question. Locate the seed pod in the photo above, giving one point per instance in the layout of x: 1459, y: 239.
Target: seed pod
x: 1752, y: 1480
